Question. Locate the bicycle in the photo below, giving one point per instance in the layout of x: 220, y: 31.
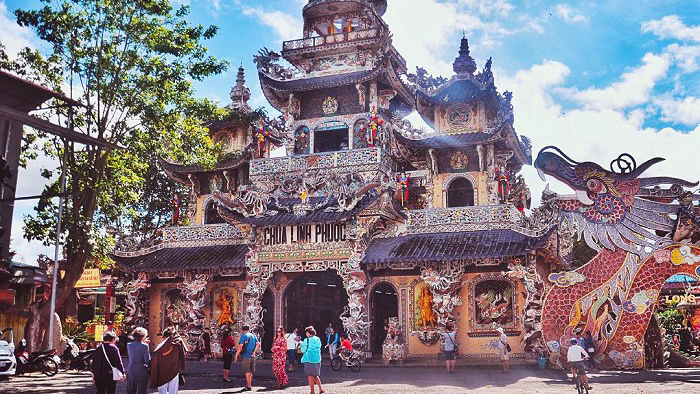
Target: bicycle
x: 580, y: 387
x: 352, y: 361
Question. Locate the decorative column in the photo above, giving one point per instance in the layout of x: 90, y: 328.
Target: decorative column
x: 532, y: 311
x: 136, y: 300
x: 195, y: 291
x: 257, y: 278
x: 491, y: 182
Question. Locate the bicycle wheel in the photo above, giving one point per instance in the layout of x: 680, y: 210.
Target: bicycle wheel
x: 336, y: 364
x: 49, y: 367
x: 355, y: 365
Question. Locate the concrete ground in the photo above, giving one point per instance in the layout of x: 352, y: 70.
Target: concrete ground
x: 203, y: 378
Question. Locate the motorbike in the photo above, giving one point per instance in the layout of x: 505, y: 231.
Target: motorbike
x: 44, y: 362
x: 73, y: 358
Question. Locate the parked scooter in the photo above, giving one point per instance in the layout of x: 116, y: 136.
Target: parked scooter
x: 43, y: 362
x: 73, y: 358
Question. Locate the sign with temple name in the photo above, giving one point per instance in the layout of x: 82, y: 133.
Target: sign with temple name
x: 304, y: 234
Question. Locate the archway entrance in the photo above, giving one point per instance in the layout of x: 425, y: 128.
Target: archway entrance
x: 315, y: 299
x: 385, y: 304
x: 268, y: 304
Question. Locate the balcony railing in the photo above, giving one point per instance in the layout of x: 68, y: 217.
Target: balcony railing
x: 482, y: 217
x: 318, y: 161
x: 330, y: 39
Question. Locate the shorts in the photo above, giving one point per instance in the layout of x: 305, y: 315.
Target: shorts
x: 227, y: 361
x: 504, y: 355
x: 579, y: 367
x: 312, y: 369
x: 248, y: 365
x: 292, y: 354
x: 449, y: 355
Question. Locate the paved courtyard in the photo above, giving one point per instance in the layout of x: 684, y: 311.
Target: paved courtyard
x: 205, y: 378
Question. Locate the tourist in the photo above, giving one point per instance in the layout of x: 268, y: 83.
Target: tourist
x: 575, y: 355
x: 579, y: 338
x: 449, y: 337
x: 346, y: 345
x: 292, y: 344
x: 167, y: 362
x: 328, y: 329
x: 279, y: 354
x: 311, y: 347
x: 248, y: 347
x: 206, y: 339
x: 228, y: 347
x: 139, y: 361
x: 589, y: 346
x: 332, y: 343
x: 104, y: 359
x: 503, y: 350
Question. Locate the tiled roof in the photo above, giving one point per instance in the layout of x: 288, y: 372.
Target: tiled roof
x: 184, y: 258
x: 451, y: 246
x: 447, y: 141
x: 321, y: 215
x: 457, y: 91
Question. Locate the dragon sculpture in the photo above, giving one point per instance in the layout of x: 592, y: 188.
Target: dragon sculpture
x: 630, y: 221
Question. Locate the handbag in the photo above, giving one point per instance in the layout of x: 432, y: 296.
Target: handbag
x: 507, y: 346
x: 117, y: 375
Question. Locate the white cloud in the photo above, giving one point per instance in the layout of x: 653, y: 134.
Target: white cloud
x: 672, y: 26
x: 687, y: 56
x: 595, y: 134
x: 285, y: 26
x: 568, y: 14
x: 489, y: 7
x: 13, y: 36
x: 634, y: 88
x: 684, y: 111
x: 26, y: 251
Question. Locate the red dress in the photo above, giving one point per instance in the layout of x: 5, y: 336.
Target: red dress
x: 279, y: 355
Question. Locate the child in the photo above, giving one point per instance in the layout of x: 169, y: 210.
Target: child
x: 346, y: 345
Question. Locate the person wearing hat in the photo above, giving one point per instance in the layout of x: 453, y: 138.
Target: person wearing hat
x: 575, y: 355
x: 504, y: 350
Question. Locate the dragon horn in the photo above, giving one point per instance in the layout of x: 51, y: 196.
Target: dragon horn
x: 639, y: 170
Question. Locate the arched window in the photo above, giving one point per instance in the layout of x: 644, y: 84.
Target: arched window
x: 460, y: 193
x: 331, y: 136
x: 211, y: 215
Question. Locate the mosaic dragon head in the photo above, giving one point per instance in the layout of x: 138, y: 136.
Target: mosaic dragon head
x: 614, y: 208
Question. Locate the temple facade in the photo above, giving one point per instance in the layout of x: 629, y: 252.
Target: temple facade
x: 384, y: 230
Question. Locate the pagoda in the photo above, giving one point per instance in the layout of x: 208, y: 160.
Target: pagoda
x: 366, y: 222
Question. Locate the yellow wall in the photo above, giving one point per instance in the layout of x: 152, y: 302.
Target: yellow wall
x: 439, y: 181
x: 468, y: 346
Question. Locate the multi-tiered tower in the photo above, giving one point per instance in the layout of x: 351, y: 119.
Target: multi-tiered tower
x: 366, y: 221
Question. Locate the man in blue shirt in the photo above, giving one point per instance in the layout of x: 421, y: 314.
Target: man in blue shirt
x: 248, y: 347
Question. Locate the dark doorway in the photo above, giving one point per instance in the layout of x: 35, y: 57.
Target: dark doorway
x: 331, y: 138
x: 211, y: 215
x: 385, y: 304
x: 268, y: 304
x: 315, y: 299
x: 460, y: 193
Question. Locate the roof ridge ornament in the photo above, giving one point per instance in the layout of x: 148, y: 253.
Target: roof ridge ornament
x: 240, y: 94
x: 464, y: 63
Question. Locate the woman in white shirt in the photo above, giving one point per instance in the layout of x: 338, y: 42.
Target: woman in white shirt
x: 292, y: 344
x: 503, y: 350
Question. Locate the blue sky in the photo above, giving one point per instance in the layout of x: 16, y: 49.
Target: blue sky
x: 596, y: 78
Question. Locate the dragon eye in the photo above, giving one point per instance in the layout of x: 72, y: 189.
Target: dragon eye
x: 596, y: 186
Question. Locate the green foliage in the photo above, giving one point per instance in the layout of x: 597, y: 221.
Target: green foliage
x: 130, y: 63
x: 669, y: 318
x: 75, y: 330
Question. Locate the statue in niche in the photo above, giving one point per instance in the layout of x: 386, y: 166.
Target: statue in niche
x: 225, y: 302
x: 427, y: 314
